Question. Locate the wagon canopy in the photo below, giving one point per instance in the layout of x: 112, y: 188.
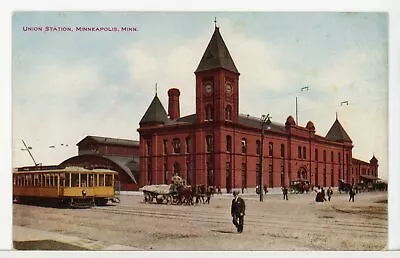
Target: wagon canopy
x: 158, y: 189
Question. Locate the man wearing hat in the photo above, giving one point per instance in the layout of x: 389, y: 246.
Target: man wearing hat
x: 237, y: 211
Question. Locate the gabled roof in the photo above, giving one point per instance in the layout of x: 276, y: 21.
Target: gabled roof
x: 254, y: 122
x: 155, y: 113
x: 216, y: 55
x: 337, y: 133
x: 109, y: 141
x: 355, y: 161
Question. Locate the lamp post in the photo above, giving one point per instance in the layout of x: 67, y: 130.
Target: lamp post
x: 265, y: 120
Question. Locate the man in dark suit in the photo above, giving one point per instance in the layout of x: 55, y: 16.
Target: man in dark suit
x: 237, y: 211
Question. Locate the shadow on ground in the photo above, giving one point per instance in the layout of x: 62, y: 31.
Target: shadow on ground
x: 45, y: 245
x: 223, y: 231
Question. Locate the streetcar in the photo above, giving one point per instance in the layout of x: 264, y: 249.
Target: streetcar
x: 68, y: 187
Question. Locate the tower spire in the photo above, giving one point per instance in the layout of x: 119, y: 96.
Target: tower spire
x: 215, y: 22
x: 336, y: 115
x: 156, y: 89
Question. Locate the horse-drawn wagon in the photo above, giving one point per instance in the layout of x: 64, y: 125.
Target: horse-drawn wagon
x: 160, y: 193
x: 176, y: 193
x: 299, y: 186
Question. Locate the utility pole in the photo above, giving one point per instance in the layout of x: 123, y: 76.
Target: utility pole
x: 297, y: 113
x: 265, y: 120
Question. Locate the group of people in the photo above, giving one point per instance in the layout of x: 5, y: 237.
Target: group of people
x: 238, y: 204
x: 321, y: 195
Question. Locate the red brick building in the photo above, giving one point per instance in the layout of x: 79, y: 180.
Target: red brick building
x: 219, y: 146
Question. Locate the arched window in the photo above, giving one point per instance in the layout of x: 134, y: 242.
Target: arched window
x: 228, y: 113
x: 270, y: 149
x: 228, y: 143
x: 244, y: 146
x: 209, y: 113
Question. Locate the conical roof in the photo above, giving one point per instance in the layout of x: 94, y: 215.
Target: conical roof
x: 216, y: 55
x: 155, y: 113
x: 337, y: 133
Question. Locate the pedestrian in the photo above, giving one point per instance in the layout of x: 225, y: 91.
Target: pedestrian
x: 237, y: 211
x: 329, y: 192
x: 323, y: 194
x: 285, y: 193
x: 242, y: 189
x: 318, y: 197
x: 265, y: 189
x: 352, y: 193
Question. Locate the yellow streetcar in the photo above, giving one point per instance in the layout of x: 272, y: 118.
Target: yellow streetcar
x: 69, y: 186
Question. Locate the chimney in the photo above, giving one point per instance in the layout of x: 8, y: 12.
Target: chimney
x: 173, y: 103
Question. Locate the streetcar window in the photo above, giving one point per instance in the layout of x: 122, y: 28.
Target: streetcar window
x: 74, y: 180
x: 108, y: 180
x: 67, y: 182
x: 101, y: 180
x: 84, y: 180
x: 36, y: 180
x: 92, y: 181
x: 41, y: 180
x: 50, y: 180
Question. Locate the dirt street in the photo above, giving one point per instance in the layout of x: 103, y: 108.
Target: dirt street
x: 297, y: 224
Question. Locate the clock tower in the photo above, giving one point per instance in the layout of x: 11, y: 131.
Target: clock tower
x: 217, y: 83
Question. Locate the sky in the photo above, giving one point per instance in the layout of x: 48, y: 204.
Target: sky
x: 67, y: 85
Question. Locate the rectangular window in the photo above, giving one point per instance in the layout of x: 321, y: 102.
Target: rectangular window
x: 165, y: 147
x: 67, y: 180
x: 271, y: 176
x: 244, y: 175
x: 299, y: 152
x: 258, y: 147
x: 258, y: 171
x: 74, y: 180
x: 316, y: 154
x: 209, y: 143
x: 282, y: 150
x: 270, y: 149
x: 108, y: 180
x: 304, y: 153
x: 228, y: 143
x: 324, y: 155
x: 101, y: 180
x: 148, y: 143
x: 188, y: 144
x: 338, y: 156
x: 332, y: 156
x: 91, y: 180
x: 84, y: 180
x: 177, y: 145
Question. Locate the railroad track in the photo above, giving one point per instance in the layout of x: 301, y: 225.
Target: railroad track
x: 265, y: 221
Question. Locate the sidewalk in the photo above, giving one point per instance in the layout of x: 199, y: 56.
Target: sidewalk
x: 21, y: 234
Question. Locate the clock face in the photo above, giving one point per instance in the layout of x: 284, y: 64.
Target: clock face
x: 228, y: 88
x: 208, y: 87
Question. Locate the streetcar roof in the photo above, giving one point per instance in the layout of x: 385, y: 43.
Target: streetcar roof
x: 66, y: 169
